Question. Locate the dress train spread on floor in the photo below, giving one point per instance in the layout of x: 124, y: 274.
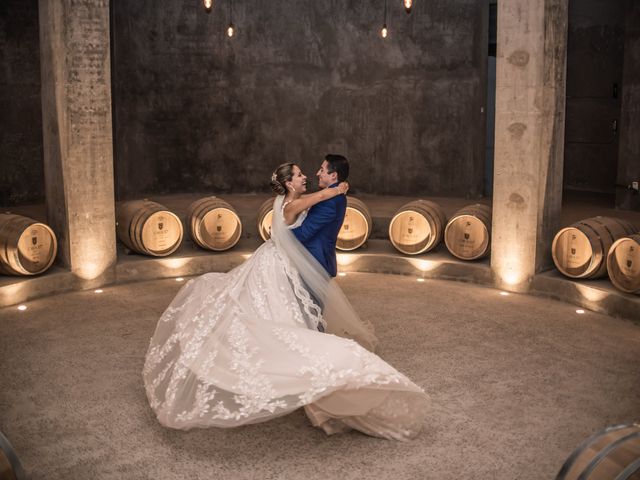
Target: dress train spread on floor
x: 244, y: 347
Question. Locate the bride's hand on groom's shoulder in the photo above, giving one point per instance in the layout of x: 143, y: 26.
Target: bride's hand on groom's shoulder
x: 343, y: 187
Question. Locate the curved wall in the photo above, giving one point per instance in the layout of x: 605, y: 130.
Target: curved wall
x: 197, y: 111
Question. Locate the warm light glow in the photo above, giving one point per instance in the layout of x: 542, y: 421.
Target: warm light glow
x: 175, y: 263
x: 423, y: 265
x: 345, y: 259
x: 580, y: 311
x: 230, y: 30
x: 592, y: 294
x: 246, y: 256
x: 504, y: 294
x: 384, y: 32
x: 420, y: 280
x: 342, y: 274
x: 90, y: 270
x: 179, y: 279
x: 99, y: 290
x: 407, y: 5
x: 22, y: 308
x: 208, y: 5
x: 511, y: 278
x: 513, y: 267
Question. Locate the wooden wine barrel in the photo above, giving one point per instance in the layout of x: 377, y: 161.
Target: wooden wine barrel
x: 27, y: 247
x: 265, y: 218
x: 10, y: 466
x: 611, y: 454
x: 468, y: 233
x: 623, y: 263
x: 147, y: 227
x: 214, y: 224
x: 356, y: 227
x: 580, y: 250
x: 417, y: 227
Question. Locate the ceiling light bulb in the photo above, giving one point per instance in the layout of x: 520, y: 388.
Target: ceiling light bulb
x: 230, y: 30
x: 384, y: 32
x: 208, y: 5
x: 407, y: 5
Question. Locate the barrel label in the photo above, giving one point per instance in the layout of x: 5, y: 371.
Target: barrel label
x: 410, y: 232
x: 221, y: 229
x: 467, y: 237
x: 354, y: 230
x: 34, y: 249
x: 160, y: 233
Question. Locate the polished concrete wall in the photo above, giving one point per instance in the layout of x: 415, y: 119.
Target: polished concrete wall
x: 21, y: 163
x: 197, y: 111
x: 594, y: 93
x: 629, y: 160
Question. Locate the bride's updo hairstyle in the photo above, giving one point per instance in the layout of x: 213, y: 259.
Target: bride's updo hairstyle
x: 279, y: 178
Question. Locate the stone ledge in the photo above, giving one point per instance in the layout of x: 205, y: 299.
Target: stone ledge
x: 377, y: 256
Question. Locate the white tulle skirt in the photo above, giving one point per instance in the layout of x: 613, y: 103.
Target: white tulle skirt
x: 234, y: 348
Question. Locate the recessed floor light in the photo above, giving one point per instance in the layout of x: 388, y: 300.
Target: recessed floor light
x: 420, y: 280
x: 99, y: 290
x: 504, y: 294
x: 22, y: 308
x: 580, y: 311
x: 179, y: 279
x: 342, y: 274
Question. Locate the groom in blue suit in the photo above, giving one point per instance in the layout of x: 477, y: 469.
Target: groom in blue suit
x: 319, y: 231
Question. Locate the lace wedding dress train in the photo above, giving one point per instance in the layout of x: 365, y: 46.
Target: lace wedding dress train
x: 243, y: 347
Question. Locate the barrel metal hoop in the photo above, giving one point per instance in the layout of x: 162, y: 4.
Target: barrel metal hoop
x: 583, y: 446
x: 613, y: 238
x: 602, y: 454
x: 632, y: 468
x: 7, y: 450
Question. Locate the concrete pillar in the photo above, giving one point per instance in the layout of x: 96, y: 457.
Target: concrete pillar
x: 77, y: 134
x: 629, y: 153
x: 530, y: 98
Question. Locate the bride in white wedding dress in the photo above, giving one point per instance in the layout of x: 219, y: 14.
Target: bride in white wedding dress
x: 244, y: 346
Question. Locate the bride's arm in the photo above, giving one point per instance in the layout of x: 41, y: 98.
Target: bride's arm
x: 293, y: 209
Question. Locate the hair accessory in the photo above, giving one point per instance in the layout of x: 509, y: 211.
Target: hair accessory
x: 273, y: 177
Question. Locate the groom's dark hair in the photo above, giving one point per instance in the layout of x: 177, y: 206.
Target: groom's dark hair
x: 338, y: 164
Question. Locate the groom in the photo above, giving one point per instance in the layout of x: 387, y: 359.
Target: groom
x: 319, y: 231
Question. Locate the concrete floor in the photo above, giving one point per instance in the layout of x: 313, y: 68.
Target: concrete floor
x: 516, y: 382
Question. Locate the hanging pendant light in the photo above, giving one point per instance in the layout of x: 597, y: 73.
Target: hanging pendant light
x: 208, y: 5
x: 230, y: 28
x: 407, y: 5
x: 384, y: 31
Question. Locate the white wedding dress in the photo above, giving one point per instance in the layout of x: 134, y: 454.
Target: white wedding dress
x: 244, y: 347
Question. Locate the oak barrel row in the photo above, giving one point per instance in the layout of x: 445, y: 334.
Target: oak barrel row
x: 150, y: 228
x: 416, y: 227
x: 590, y: 248
x: 597, y: 247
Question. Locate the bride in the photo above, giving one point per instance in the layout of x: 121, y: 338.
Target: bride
x: 244, y: 346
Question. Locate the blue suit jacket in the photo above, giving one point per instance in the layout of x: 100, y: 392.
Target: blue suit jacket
x: 319, y: 232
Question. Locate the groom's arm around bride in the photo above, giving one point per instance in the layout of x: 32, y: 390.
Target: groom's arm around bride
x: 319, y: 231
